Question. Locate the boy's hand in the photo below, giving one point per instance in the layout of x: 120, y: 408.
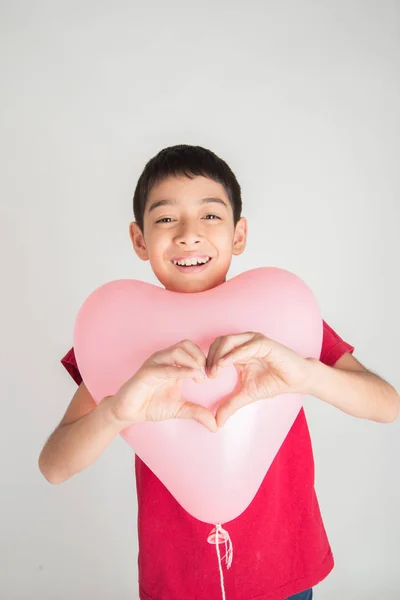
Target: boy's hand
x: 265, y: 367
x: 154, y: 391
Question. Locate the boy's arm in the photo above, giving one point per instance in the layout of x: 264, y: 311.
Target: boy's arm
x: 84, y: 432
x: 352, y: 388
x: 268, y: 369
x: 153, y: 393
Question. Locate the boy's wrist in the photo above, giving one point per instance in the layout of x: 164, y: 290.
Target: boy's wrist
x: 108, y: 408
x: 313, y: 366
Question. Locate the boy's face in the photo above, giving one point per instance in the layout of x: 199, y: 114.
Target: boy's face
x: 187, y: 219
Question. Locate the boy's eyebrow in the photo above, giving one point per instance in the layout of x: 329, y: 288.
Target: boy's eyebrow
x: 171, y: 202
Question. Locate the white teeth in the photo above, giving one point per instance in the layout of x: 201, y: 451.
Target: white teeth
x: 191, y: 262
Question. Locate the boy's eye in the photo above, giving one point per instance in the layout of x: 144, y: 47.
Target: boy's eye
x: 169, y: 219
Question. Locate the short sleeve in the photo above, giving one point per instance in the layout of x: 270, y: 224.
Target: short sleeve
x: 333, y: 347
x: 69, y: 362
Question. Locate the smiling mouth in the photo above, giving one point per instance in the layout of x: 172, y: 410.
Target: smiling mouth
x: 187, y: 263
x: 186, y: 266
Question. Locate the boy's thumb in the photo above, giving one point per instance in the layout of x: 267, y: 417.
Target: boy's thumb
x: 198, y: 413
x: 229, y: 407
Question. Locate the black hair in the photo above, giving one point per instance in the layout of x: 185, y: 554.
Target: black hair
x: 189, y: 161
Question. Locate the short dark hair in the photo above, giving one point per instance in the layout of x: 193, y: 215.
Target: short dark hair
x: 189, y: 161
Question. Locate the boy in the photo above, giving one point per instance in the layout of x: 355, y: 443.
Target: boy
x: 187, y: 208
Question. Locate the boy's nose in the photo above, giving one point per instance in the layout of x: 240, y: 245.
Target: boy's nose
x: 188, y: 240
x: 188, y: 236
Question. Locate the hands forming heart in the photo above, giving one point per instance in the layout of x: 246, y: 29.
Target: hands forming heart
x: 266, y: 369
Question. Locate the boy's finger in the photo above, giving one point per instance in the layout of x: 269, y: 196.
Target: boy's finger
x: 171, y: 372
x: 225, y: 348
x: 228, y: 408
x: 184, y: 358
x: 178, y: 356
x: 198, y: 413
x: 244, y: 352
x: 212, y: 353
x: 194, y: 351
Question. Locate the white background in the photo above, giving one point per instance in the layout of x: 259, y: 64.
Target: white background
x: 302, y: 99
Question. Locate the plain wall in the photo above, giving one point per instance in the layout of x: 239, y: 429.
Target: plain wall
x: 302, y: 99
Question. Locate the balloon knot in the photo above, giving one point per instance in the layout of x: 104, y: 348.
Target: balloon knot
x: 220, y: 536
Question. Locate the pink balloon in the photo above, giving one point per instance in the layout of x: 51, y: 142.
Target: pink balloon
x: 214, y: 476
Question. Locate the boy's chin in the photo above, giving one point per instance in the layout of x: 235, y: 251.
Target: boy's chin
x: 189, y: 287
x: 192, y: 284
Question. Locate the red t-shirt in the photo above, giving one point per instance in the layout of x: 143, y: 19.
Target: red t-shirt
x: 280, y: 544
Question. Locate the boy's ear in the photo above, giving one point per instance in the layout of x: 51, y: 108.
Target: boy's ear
x: 137, y: 238
x: 240, y: 237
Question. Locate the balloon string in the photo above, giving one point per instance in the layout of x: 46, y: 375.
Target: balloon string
x: 217, y: 537
x: 221, y: 573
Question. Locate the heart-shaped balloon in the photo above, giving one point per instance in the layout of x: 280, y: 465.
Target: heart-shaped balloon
x: 214, y: 476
